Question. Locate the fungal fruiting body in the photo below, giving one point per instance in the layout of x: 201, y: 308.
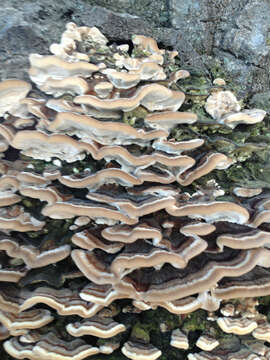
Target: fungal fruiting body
x: 113, y: 195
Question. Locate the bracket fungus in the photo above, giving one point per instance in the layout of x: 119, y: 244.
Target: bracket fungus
x: 116, y: 198
x: 179, y: 340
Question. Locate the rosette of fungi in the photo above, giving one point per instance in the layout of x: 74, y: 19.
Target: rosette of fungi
x: 98, y: 201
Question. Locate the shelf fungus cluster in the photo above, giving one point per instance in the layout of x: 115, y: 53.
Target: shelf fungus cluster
x: 103, y: 209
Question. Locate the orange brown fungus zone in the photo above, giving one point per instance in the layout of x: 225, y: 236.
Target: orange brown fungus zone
x: 98, y: 203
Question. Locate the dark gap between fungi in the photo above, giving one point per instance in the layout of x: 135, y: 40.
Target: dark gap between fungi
x: 117, y: 42
x: 12, y: 154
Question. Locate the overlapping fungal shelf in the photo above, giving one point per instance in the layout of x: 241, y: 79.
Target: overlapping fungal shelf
x: 102, y: 216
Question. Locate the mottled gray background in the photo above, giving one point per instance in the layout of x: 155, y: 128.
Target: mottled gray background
x: 213, y: 37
